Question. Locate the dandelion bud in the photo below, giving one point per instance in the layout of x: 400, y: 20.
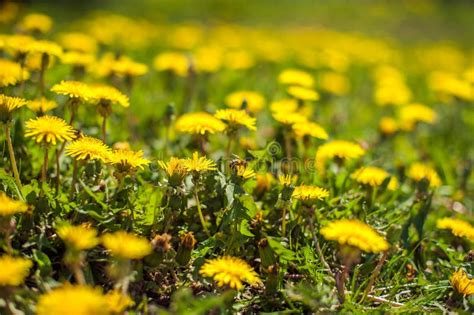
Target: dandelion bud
x: 266, y: 253
x: 186, y: 246
x: 161, y: 243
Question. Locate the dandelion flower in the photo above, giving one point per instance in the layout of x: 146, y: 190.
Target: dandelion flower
x: 296, y: 77
x: 287, y: 180
x: 374, y: 176
x: 334, y: 83
x: 79, y: 237
x: 302, y: 93
x: 49, y: 130
x: 73, y: 89
x: 289, y: 118
x: 108, y: 94
x: 125, y: 245
x: 255, y: 101
x: 19, y: 44
x: 230, y: 271
x: 286, y: 105
x: 41, y: 105
x: 356, y: 234
x: 461, y: 282
x: 45, y: 47
x: 419, y: 171
x: 122, y: 66
x: 88, y: 148
x: 14, y: 270
x: 244, y: 172
x: 458, y: 227
x: 341, y: 149
x: 236, y: 117
x: 77, y: 59
x: 78, y: 299
x: 174, y: 167
x: 199, y: 164
x: 78, y: 42
x: 11, y: 73
x: 311, y: 129
x: 127, y: 159
x: 36, y: 22
x: 10, y: 207
x: 118, y: 302
x: 414, y: 113
x: 199, y: 123
x: 388, y: 125
x: 176, y: 62
x: 304, y: 192
x: 8, y: 105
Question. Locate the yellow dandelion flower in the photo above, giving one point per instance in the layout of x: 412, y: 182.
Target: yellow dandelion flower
x: 127, y: 246
x: 11, y: 73
x: 307, y: 128
x: 199, y: 164
x: 341, y: 149
x: 127, y: 159
x: 234, y: 117
x: 88, y: 148
x: 461, y: 282
x: 255, y: 101
x: 239, y: 59
x: 302, y: 93
x: 230, y: 271
x: 374, y: 176
x: 176, y: 62
x: 305, y: 192
x: 296, y: 77
x: 78, y: 42
x: 45, y: 47
x: 199, y: 123
x: 49, y: 130
x: 173, y: 167
x: 8, y: 105
x: 244, y: 172
x: 10, y: 207
x: 334, y: 83
x: 35, y: 22
x: 42, y: 105
x: 77, y: 58
x: 122, y: 66
x: 208, y: 59
x: 356, y: 234
x: 286, y: 105
x: 411, y: 114
x: 73, y: 89
x: 19, y: 44
x: 108, y: 94
x: 289, y: 118
x: 14, y: 270
x: 419, y: 171
x: 79, y: 237
x: 78, y: 299
x: 264, y: 182
x: 118, y: 302
x: 287, y: 180
x: 388, y: 125
x: 458, y: 227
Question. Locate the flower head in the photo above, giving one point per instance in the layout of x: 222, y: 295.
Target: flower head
x: 244, y: 172
x: 176, y: 62
x: 78, y: 42
x: 10, y: 206
x: 388, y: 125
x: 302, y: 93
x: 199, y: 164
x: 304, y: 192
x: 49, y: 130
x: 78, y: 59
x: 128, y: 159
x: 411, y: 114
x: 122, y: 66
x: 419, y: 171
x: 337, y: 149
x: 334, y: 83
x: 41, y: 105
x: 79, y: 299
x: 79, y: 237
x: 236, y: 117
x: 287, y: 180
x: 8, y: 105
x: 35, y: 22
x: 296, y: 77
x: 356, y: 234
x: 374, y: 176
x: 14, y: 270
x: 289, y: 118
x: 45, y: 47
x: 461, y: 282
x: 286, y: 105
x: 458, y: 227
x: 73, y: 89
x: 108, y: 94
x: 127, y: 246
x: 11, y: 73
x: 311, y: 129
x: 199, y: 123
x: 88, y: 148
x: 175, y: 169
x: 118, y: 302
x: 255, y: 101
x: 230, y: 271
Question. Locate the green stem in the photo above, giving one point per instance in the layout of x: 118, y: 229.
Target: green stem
x: 58, y: 179
x: 201, y: 216
x: 44, y: 169
x: 104, y: 126
x: 374, y: 275
x: 12, y: 157
x: 283, y: 220
x: 75, y: 168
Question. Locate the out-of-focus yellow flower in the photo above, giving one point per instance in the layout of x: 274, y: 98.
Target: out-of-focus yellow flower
x: 126, y: 246
x: 10, y: 207
x: 289, y: 118
x: 414, y: 113
x: 239, y: 59
x: 302, y: 93
x: 8, y: 11
x: 286, y: 105
x: 419, y: 171
x: 287, y: 180
x: 374, y: 176
x: 458, y: 227
x: 176, y: 62
x: 77, y: 58
x: 199, y: 123
x: 11, y: 73
x: 8, y: 105
x: 311, y: 129
x: 309, y: 193
x: 341, y: 149
x: 355, y: 233
x: 254, y: 100
x: 73, y: 89
x: 244, y: 172
x: 230, y: 271
x: 390, y: 87
x: 264, y: 182
x: 334, y: 83
x: 79, y: 237
x: 388, y: 125
x: 77, y: 299
x: 45, y: 47
x: 49, y: 129
x: 78, y: 42
x: 108, y: 94
x: 18, y: 44
x: 208, y: 59
x: 42, y: 105
x: 185, y: 36
x: 14, y: 270
x: 461, y: 282
x: 199, y: 164
x: 88, y: 148
x: 296, y: 77
x: 122, y: 66
x: 126, y: 160
x: 448, y: 85
x: 118, y: 302
x: 35, y: 22
x: 236, y: 117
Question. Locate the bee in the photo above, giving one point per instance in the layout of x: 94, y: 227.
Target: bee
x: 237, y: 163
